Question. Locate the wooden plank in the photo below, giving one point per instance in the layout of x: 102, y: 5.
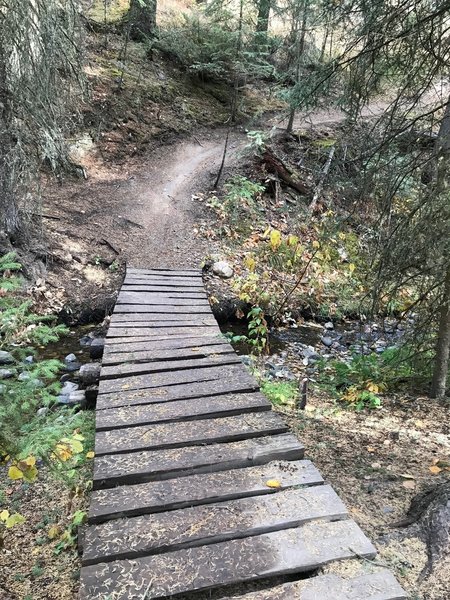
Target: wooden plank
x: 162, y: 280
x: 176, y: 292
x: 200, y: 334
x: 279, y: 553
x: 192, y: 362
x: 166, y: 343
x: 165, y: 272
x: 152, y: 465
x: 155, y: 318
x: 182, y: 391
x: 167, y: 322
x: 129, y: 286
x: 210, y: 523
x: 188, y: 433
x: 150, y: 299
x: 161, y: 331
x: 166, y: 354
x: 171, y: 412
x: 380, y: 585
x: 195, y: 490
x: 154, y: 309
x: 142, y: 382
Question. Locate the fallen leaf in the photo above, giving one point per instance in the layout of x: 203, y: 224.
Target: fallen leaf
x: 407, y: 476
x: 273, y: 483
x: 435, y: 469
x: 370, y: 449
x: 53, y: 532
x: 14, y: 473
x: 90, y: 454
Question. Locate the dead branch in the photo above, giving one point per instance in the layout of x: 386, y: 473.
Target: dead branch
x: 275, y: 165
x: 319, y: 186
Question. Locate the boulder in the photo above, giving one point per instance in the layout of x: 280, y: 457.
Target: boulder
x: 222, y: 269
x: 6, y: 358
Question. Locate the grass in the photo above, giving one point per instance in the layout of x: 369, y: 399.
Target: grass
x: 280, y: 393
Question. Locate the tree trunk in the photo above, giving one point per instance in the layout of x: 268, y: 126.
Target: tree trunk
x: 142, y: 19
x: 262, y: 25
x: 441, y: 364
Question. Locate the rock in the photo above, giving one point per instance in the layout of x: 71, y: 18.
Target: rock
x: 329, y: 326
x: 85, y: 341
x: 311, y: 353
x: 76, y: 398
x: 6, y: 373
x: 222, y: 269
x: 73, y: 366
x: 70, y: 358
x: 65, y: 377
x: 96, y: 348
x: 326, y: 341
x: 6, y: 358
x: 29, y: 360
x: 33, y: 381
x: 68, y: 388
x: 41, y: 412
x: 246, y: 360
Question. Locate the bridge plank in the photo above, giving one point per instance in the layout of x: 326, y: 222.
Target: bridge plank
x: 155, y: 318
x: 165, y: 272
x: 188, y: 433
x: 166, y: 354
x: 170, y: 494
x: 210, y: 523
x: 164, y: 343
x: 192, y: 362
x: 211, y: 374
x: 169, y: 393
x: 380, y: 585
x: 156, y: 308
x: 161, y: 323
x: 281, y: 552
x: 150, y: 299
x: 151, y: 465
x: 171, y: 412
x: 172, y: 292
x: 161, y: 331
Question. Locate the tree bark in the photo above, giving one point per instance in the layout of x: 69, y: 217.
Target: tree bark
x: 262, y: 25
x: 142, y: 19
x: 441, y: 364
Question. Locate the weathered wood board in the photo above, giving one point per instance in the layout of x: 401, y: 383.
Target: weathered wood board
x: 158, y: 318
x: 157, y: 332
x: 151, y: 465
x: 171, y: 412
x: 211, y: 523
x: 163, y: 309
x: 164, y: 342
x: 377, y: 585
x: 165, y: 354
x: 181, y: 391
x: 189, y: 433
x: 150, y: 298
x: 205, y: 488
x: 160, y: 366
x: 182, y: 571
x: 159, y: 380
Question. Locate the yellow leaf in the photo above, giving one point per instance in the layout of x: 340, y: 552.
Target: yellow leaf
x: 90, y: 454
x: 250, y: 263
x: 30, y: 474
x: 78, y: 436
x: 316, y: 244
x: 273, y: 483
x: 342, y: 236
x: 14, y: 519
x: 292, y: 240
x: 435, y: 469
x: 53, y: 532
x: 14, y: 473
x: 63, y: 452
x: 351, y: 267
x: 4, y: 515
x: 30, y: 461
x: 275, y: 239
x: 372, y: 387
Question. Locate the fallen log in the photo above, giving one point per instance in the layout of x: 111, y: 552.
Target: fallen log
x: 275, y: 165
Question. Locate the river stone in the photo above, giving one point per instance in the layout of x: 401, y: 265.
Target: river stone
x: 85, y: 341
x: 29, y: 359
x: 68, y: 388
x: 311, y: 353
x: 326, y: 341
x: 6, y: 373
x: 222, y: 269
x: 41, y: 412
x: 70, y: 358
x: 6, y: 358
x: 329, y: 326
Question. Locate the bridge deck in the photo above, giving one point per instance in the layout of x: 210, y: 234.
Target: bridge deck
x: 197, y: 484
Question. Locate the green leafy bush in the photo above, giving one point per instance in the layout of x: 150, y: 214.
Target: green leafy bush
x: 280, y: 393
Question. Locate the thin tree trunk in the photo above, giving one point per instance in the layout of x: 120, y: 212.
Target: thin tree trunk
x: 262, y: 25
x: 300, y: 51
x: 441, y: 363
x: 142, y: 18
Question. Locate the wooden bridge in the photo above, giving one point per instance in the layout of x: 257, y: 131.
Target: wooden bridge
x: 197, y: 484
